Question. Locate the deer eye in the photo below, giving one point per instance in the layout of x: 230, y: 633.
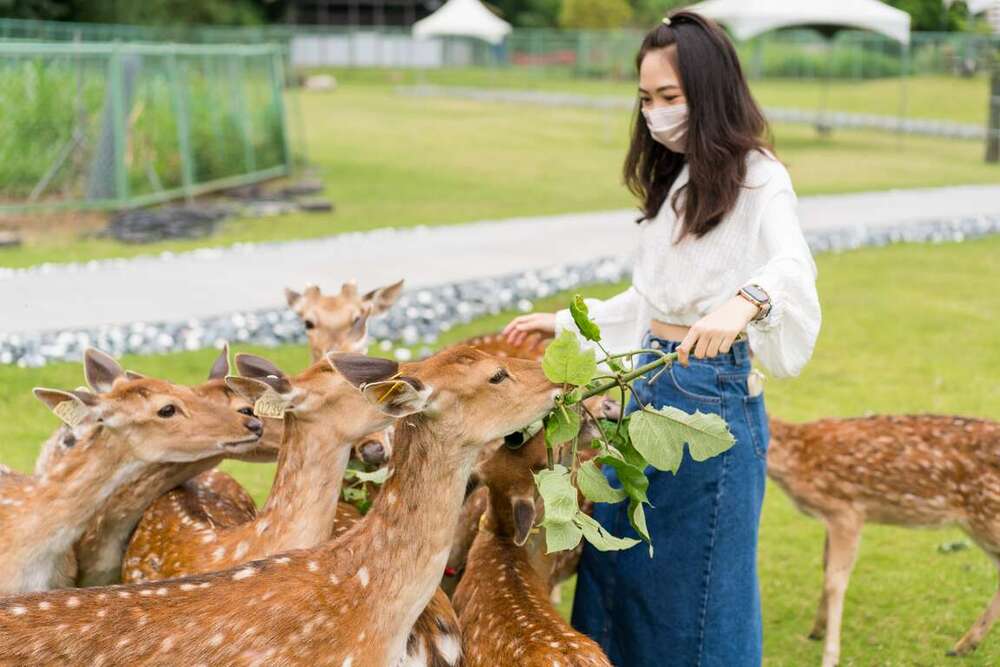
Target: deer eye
x: 499, y: 376
x: 310, y: 324
x: 248, y: 411
x: 167, y: 411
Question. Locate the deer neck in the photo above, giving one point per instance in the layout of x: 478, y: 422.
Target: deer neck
x: 400, y: 550
x: 100, y: 549
x: 498, y: 532
x: 303, y: 502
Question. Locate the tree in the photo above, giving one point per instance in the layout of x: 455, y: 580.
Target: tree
x: 169, y: 12
x: 650, y: 12
x: 529, y: 13
x: 933, y: 14
x: 595, y: 14
x: 46, y: 10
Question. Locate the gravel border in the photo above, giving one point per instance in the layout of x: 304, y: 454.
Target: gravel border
x: 419, y: 316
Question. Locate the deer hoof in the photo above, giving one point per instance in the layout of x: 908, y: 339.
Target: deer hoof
x: 817, y: 634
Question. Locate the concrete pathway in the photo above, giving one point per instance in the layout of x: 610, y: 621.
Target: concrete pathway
x: 211, y: 282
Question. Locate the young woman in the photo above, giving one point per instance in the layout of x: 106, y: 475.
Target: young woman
x: 722, y: 272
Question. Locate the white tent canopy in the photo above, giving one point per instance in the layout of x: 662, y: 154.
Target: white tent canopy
x: 749, y: 18
x: 463, y: 18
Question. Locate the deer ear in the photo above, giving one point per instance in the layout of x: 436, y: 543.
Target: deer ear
x: 266, y: 401
x: 292, y: 297
x: 360, y: 369
x: 524, y: 519
x: 259, y: 368
x: 399, y: 397
x: 349, y: 290
x: 132, y: 375
x: 71, y: 407
x: 220, y: 368
x: 101, y: 370
x: 383, y: 297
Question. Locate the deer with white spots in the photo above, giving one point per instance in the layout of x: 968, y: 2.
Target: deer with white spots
x: 116, y: 437
x: 339, y: 322
x: 503, y: 599
x: 98, y: 552
x: 908, y: 470
x: 176, y: 538
x: 350, y: 602
x: 564, y: 563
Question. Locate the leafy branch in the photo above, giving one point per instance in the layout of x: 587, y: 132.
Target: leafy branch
x: 648, y: 437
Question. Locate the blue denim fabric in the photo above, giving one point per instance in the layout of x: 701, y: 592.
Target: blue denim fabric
x: 696, y: 602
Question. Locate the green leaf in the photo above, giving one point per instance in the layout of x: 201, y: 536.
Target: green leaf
x: 377, y: 477
x: 558, y: 494
x: 561, y: 536
x: 650, y: 437
x: 561, y: 425
x: 594, y: 485
x: 581, y: 315
x: 637, y: 517
x: 633, y: 479
x: 600, y: 538
x: 659, y: 435
x: 566, y: 362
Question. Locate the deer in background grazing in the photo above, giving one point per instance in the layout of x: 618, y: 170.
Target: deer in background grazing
x: 339, y: 322
x: 503, y: 598
x: 175, y: 538
x: 351, y: 601
x: 909, y: 470
x: 98, y: 552
x: 117, y: 436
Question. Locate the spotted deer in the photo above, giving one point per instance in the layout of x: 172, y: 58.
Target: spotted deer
x: 177, y: 537
x: 908, y: 470
x: 116, y: 437
x: 564, y: 562
x: 351, y: 601
x: 503, y: 599
x: 339, y: 322
x: 98, y: 552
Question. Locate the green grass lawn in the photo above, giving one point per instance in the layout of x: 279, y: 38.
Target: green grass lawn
x: 393, y: 160
x: 908, y: 328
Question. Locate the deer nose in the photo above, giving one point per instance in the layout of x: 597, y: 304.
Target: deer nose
x: 373, y: 453
x: 255, y: 426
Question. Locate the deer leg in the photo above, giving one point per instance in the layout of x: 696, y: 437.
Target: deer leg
x: 971, y: 639
x: 819, y: 625
x: 843, y: 535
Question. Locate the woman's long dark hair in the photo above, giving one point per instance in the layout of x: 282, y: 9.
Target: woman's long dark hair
x: 724, y: 125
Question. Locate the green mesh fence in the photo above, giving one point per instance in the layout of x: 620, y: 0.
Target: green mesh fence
x: 96, y: 125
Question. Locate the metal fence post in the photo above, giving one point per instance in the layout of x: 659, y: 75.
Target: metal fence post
x: 993, y: 129
x: 239, y: 80
x: 116, y: 83
x: 179, y: 95
x: 278, y: 91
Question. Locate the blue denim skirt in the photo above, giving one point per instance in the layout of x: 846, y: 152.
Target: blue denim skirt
x: 697, y: 601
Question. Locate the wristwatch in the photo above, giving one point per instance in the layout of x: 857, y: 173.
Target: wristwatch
x: 756, y: 295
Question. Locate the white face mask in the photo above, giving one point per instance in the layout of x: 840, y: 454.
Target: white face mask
x: 668, y: 125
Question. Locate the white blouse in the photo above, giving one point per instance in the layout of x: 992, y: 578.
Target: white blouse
x: 759, y: 242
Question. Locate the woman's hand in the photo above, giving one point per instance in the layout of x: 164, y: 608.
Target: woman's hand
x: 524, y: 325
x: 716, y: 332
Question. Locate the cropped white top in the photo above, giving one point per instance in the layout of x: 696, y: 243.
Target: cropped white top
x: 759, y: 242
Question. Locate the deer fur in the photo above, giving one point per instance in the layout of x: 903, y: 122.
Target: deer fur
x: 98, y: 552
x: 115, y: 438
x: 339, y: 322
x: 503, y: 599
x: 907, y: 470
x: 350, y: 602
x: 177, y: 538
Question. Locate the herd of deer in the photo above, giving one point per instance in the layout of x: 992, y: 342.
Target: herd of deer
x: 128, y: 546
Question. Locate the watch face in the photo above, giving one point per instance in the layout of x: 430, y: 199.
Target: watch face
x: 757, y: 293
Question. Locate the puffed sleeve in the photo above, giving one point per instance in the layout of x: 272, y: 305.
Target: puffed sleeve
x: 618, y: 318
x: 784, y: 340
